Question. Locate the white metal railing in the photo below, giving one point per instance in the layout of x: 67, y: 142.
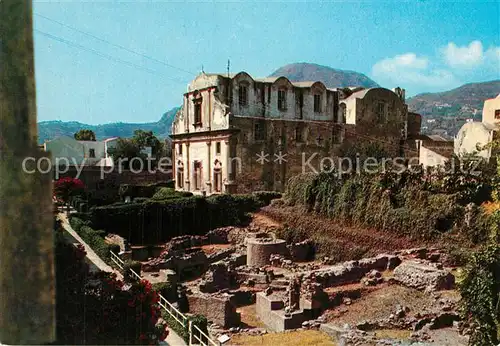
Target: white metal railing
x: 196, y: 335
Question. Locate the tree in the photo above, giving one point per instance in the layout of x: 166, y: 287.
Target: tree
x: 125, y: 151
x: 85, y: 135
x: 67, y: 187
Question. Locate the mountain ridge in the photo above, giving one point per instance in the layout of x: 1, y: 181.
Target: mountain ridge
x: 50, y: 129
x: 331, y: 77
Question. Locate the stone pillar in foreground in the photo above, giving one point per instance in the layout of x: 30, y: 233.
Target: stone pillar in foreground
x: 27, y: 282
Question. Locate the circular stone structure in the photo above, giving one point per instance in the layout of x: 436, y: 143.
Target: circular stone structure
x: 260, y: 249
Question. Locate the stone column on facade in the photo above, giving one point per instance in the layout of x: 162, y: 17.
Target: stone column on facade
x: 186, y: 115
x: 187, y: 167
x: 209, y: 168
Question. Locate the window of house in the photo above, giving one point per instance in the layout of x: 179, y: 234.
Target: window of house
x: 92, y: 153
x: 282, y: 100
x: 317, y: 103
x: 497, y: 114
x: 243, y: 95
x: 179, y: 149
x: 180, y: 177
x: 197, y: 112
x: 258, y: 133
x: 217, y: 148
x: 298, y: 134
x: 197, y: 175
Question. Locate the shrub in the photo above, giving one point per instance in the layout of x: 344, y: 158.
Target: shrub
x: 168, y: 193
x: 77, y: 223
x: 140, y: 199
x: 166, y: 289
x: 127, y: 274
x: 95, y: 239
x: 266, y: 196
x: 199, y: 320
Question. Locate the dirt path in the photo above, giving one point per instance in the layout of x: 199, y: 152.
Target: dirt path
x: 91, y: 255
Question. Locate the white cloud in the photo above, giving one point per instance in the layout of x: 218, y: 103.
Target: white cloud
x: 410, y: 69
x: 493, y: 55
x: 465, y: 56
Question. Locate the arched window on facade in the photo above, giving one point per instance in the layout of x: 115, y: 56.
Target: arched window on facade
x: 342, y: 111
x: 180, y: 174
x: 217, y: 176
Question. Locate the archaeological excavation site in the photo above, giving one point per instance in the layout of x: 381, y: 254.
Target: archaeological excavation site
x: 251, y: 284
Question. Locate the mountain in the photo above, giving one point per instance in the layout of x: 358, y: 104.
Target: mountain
x: 331, y: 77
x: 462, y: 102
x: 51, y: 129
x: 444, y: 113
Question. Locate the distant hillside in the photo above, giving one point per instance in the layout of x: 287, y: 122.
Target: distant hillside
x: 51, y: 129
x: 444, y: 113
x: 462, y: 102
x: 331, y: 77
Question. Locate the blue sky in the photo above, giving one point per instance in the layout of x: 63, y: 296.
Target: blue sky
x: 419, y: 45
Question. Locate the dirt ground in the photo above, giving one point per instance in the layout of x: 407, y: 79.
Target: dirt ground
x: 292, y: 338
x: 381, y: 302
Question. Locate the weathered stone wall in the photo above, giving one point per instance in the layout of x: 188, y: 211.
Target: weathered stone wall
x: 270, y: 311
x: 302, y: 144
x: 218, y: 309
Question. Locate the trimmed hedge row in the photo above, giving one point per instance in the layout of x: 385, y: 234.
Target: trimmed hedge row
x: 95, y: 239
x: 156, y: 221
x: 141, y: 190
x: 163, y: 193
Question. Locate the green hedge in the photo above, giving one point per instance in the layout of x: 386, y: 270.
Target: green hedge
x: 95, y: 239
x: 136, y: 266
x: 407, y: 204
x: 141, y: 190
x: 163, y: 193
x: 157, y: 221
x: 183, y: 332
x: 266, y: 196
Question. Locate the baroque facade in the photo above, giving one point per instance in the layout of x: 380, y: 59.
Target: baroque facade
x: 235, y: 133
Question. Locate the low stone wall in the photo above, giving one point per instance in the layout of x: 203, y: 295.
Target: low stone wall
x: 218, y: 309
x: 270, y: 311
x: 351, y: 271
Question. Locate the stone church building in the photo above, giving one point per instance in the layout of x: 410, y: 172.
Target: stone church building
x: 236, y: 133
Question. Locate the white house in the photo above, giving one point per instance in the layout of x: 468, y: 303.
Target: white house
x: 65, y: 149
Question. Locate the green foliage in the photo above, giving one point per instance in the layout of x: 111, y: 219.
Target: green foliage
x: 479, y: 287
x: 163, y: 193
x: 93, y: 309
x: 124, y: 151
x: 146, y: 191
x: 166, y: 289
x: 85, y: 135
x: 410, y: 203
x: 156, y: 221
x: 136, y: 266
x: 267, y: 196
x: 94, y: 238
x: 199, y: 320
